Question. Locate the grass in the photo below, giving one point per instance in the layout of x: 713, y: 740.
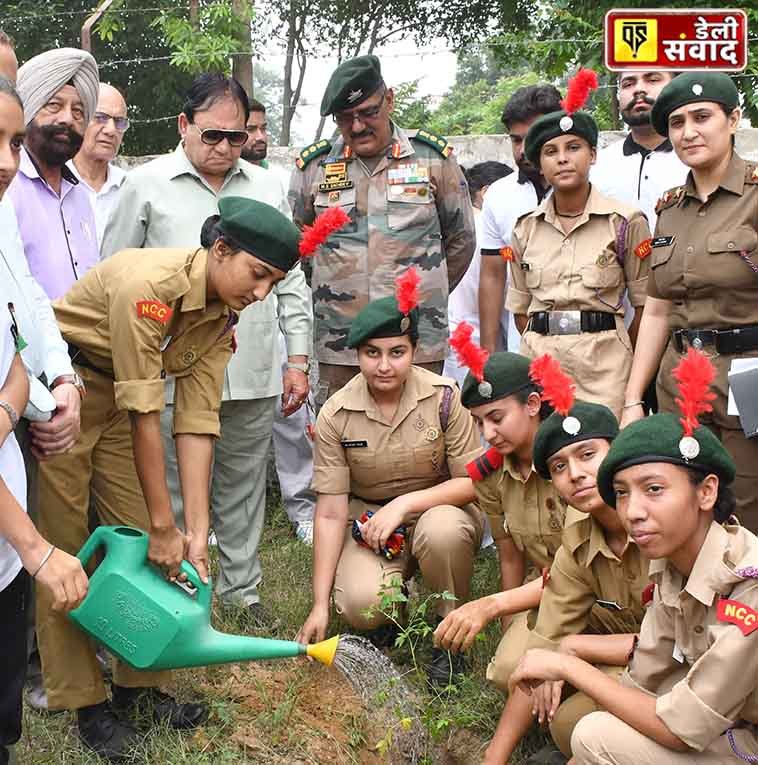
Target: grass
x: 292, y: 712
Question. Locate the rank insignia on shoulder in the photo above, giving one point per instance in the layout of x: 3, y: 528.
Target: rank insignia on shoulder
x: 484, y: 465
x: 309, y: 153
x: 734, y: 612
x: 642, y: 250
x: 669, y: 198
x: 154, y: 309
x: 440, y: 145
x: 506, y: 253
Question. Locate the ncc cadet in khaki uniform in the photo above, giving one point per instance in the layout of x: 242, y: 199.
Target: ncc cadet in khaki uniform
x: 525, y: 511
x: 394, y: 441
x: 690, y: 694
x: 704, y: 265
x: 572, y: 261
x: 129, y: 322
x: 596, y: 582
x: 408, y: 203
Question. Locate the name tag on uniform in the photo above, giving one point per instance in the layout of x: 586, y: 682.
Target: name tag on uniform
x: 335, y: 177
x: 611, y: 605
x: 663, y: 241
x: 351, y: 444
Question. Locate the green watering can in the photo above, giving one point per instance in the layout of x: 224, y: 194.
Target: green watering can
x: 151, y: 623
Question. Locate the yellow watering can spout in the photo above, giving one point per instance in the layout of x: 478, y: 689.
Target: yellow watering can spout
x: 324, y: 651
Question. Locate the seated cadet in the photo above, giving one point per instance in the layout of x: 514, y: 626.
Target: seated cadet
x: 526, y: 513
x: 129, y: 321
x: 395, y: 442
x: 575, y: 257
x: 690, y: 693
x: 598, y: 577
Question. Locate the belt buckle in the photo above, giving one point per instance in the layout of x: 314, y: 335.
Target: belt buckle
x: 701, y: 338
x: 564, y: 322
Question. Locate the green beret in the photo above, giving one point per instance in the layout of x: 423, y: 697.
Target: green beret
x: 260, y: 230
x: 584, y: 421
x: 352, y: 82
x: 555, y: 124
x: 382, y: 318
x: 504, y: 373
x: 688, y: 88
x: 659, y: 439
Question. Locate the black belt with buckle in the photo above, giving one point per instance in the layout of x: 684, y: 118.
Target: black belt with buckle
x: 78, y: 358
x: 571, y: 322
x: 728, y: 341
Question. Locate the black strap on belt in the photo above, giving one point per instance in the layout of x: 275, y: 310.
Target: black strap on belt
x: 728, y: 341
x: 78, y: 358
x: 590, y: 321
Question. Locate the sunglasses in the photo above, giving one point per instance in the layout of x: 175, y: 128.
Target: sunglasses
x: 346, y: 119
x: 214, y: 136
x: 120, y: 123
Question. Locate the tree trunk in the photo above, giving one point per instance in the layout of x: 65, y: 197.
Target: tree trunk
x: 287, y: 110
x: 242, y: 66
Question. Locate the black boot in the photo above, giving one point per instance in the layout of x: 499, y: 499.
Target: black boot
x: 548, y: 755
x: 444, y: 666
x: 153, y: 706
x: 105, y: 734
x: 383, y: 636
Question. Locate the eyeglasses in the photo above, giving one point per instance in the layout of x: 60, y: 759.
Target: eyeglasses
x: 214, y: 136
x: 120, y: 123
x: 346, y: 119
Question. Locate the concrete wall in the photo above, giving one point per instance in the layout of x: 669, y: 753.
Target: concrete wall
x: 470, y: 149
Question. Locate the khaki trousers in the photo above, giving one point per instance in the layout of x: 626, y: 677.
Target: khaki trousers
x: 101, y: 464
x: 510, y: 649
x: 332, y: 377
x: 602, y: 739
x: 442, y: 544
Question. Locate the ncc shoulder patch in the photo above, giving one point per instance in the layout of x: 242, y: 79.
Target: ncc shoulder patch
x: 642, y: 250
x: 734, y: 612
x: 506, y: 253
x: 751, y: 173
x: 309, y: 153
x: 485, y: 465
x: 440, y: 145
x: 669, y: 198
x: 154, y: 309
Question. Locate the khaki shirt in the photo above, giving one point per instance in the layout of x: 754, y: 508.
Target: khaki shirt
x: 413, y: 208
x: 143, y: 314
x: 703, y: 669
x: 701, y: 262
x: 358, y: 452
x: 589, y: 586
x: 529, y: 511
x: 555, y: 271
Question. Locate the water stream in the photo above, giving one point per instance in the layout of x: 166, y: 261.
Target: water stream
x: 385, y: 693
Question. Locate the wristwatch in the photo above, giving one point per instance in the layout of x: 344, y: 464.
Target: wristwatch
x: 304, y: 368
x: 74, y: 380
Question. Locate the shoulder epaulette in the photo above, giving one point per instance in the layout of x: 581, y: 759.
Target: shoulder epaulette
x: 669, y: 198
x: 751, y: 174
x: 485, y: 465
x: 440, y: 145
x: 311, y: 152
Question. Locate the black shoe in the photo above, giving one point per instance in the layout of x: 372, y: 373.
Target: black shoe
x: 384, y: 636
x: 152, y: 705
x: 259, y: 618
x: 444, y: 666
x: 105, y: 734
x: 548, y: 755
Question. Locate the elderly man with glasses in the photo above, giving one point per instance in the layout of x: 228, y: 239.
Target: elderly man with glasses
x: 162, y: 204
x: 93, y: 165
x: 409, y: 206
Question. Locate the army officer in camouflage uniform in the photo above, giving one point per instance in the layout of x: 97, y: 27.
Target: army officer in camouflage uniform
x: 408, y: 203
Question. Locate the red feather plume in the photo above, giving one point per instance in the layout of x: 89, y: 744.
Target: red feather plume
x: 323, y: 227
x: 469, y: 354
x: 579, y: 87
x: 406, y: 290
x: 558, y: 388
x: 694, y: 374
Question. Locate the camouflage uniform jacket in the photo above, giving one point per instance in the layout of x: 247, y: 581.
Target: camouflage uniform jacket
x: 412, y: 209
